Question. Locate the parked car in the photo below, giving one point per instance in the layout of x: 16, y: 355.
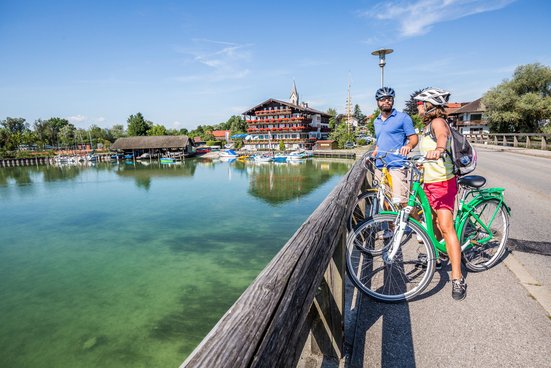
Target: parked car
x: 349, y: 145
x: 366, y: 138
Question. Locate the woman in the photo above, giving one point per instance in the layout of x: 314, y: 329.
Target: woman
x: 440, y: 182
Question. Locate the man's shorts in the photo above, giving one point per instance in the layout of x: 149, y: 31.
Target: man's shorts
x: 400, y: 186
x: 442, y: 194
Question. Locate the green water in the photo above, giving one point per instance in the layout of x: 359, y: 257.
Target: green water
x: 128, y: 265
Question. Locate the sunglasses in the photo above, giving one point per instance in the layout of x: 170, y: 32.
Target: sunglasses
x: 386, y: 99
x: 420, y: 103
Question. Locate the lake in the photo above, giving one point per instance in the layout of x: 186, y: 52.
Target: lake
x: 129, y: 264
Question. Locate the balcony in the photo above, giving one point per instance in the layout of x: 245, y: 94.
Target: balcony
x: 294, y: 119
x: 272, y: 112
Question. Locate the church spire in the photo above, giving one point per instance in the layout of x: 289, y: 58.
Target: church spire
x: 294, y: 95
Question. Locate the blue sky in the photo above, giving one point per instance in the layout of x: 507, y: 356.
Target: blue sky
x: 185, y: 63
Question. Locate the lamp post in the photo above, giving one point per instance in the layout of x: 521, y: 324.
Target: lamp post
x: 382, y: 61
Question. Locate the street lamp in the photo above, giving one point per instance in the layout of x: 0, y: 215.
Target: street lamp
x: 382, y: 53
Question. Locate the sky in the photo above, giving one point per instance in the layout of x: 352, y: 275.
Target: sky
x: 196, y: 62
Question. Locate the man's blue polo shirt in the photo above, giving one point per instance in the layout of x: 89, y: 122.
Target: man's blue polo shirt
x: 391, y: 135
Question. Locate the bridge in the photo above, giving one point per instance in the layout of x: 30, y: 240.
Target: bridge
x: 302, y: 311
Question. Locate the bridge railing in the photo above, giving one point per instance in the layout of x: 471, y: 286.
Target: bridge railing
x: 526, y: 140
x: 295, y: 307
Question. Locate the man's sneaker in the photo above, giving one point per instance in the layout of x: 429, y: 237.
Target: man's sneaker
x: 459, y: 289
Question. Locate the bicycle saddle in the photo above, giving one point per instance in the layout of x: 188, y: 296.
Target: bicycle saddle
x: 474, y: 181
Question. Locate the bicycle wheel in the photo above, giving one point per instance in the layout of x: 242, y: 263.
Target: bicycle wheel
x: 487, y: 230
x: 371, y: 270
x: 367, y: 205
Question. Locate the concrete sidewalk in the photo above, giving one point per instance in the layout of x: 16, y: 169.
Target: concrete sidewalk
x: 499, y: 325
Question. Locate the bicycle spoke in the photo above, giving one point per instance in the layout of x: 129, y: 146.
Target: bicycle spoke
x: 371, y: 269
x: 487, y: 232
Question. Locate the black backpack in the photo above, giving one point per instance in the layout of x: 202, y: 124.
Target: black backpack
x: 461, y: 152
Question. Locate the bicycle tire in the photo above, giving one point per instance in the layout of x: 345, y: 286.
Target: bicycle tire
x: 484, y: 253
x: 367, y: 205
x: 371, y: 272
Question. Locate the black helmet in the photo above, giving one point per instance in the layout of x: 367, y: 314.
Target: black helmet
x: 384, y: 92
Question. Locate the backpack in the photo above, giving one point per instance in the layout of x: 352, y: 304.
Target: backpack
x: 461, y: 152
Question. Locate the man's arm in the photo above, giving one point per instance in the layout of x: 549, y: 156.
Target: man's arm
x: 412, y: 142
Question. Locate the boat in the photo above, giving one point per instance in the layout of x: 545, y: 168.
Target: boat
x: 228, y: 153
x: 279, y: 157
x: 167, y: 160
x: 261, y: 158
x: 296, y: 155
x: 144, y: 156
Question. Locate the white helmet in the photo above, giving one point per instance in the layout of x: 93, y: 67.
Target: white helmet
x: 436, y: 96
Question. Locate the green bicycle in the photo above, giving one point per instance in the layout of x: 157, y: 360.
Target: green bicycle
x: 392, y: 256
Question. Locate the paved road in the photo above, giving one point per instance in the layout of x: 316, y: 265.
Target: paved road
x: 499, y: 324
x: 527, y: 180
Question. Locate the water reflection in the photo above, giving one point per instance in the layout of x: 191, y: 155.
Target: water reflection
x: 278, y: 183
x: 274, y: 183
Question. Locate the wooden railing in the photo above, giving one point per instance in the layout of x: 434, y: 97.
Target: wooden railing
x: 526, y: 140
x: 296, y: 305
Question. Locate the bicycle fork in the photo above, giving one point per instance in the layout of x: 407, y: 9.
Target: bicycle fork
x: 400, y: 227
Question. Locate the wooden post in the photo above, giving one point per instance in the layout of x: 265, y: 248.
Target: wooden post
x: 515, y: 141
x: 504, y: 141
x: 326, y: 317
x: 527, y: 142
x: 543, y: 143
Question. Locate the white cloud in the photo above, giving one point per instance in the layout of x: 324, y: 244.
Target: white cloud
x: 417, y: 18
x: 223, y: 60
x: 76, y: 119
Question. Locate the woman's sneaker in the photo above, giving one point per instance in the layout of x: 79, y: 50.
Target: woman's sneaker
x: 422, y: 262
x: 459, y: 289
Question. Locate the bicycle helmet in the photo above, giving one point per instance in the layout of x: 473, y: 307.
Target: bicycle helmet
x: 436, y: 96
x: 384, y: 92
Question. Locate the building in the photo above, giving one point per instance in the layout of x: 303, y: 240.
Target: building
x: 294, y: 123
x: 154, y: 144
x: 469, y: 119
x: 221, y: 135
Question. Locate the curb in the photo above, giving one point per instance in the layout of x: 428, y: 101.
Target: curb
x: 535, y: 288
x: 518, y: 150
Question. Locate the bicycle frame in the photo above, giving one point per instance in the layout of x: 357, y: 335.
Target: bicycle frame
x: 465, y: 209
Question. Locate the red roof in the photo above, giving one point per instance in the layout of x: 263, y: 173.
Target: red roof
x: 220, y: 133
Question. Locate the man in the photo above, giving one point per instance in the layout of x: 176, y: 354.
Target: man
x: 396, y: 137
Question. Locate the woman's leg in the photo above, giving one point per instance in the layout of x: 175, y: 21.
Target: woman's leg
x: 445, y: 224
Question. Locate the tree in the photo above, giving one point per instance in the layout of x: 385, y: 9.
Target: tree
x: 341, y: 135
x: 332, y: 118
x: 358, y: 115
x: 12, y: 135
x: 67, y: 136
x: 522, y: 104
x: 371, y: 123
x: 137, y: 126
x: 48, y: 130
x: 236, y: 124
x: 117, y: 131
x: 157, y: 130
x: 411, y: 104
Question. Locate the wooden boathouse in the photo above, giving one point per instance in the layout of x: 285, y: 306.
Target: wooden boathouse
x: 155, y: 145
